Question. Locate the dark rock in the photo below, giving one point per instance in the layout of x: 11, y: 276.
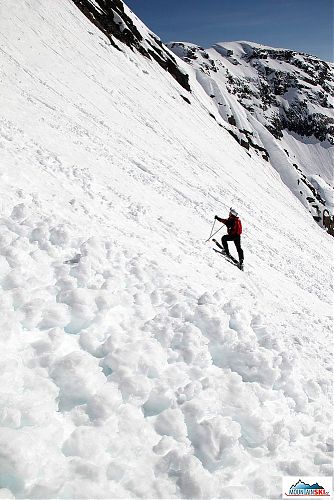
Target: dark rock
x: 185, y: 99
x: 231, y: 120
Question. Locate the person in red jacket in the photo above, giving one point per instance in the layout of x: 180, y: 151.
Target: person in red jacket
x: 234, y: 230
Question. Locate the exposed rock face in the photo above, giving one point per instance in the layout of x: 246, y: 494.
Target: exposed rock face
x: 286, y: 90
x: 313, y: 82
x: 114, y: 19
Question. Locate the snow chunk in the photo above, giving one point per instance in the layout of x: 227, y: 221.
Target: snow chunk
x: 171, y: 423
x: 70, y: 375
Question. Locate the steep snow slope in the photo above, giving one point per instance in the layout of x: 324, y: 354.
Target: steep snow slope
x: 278, y: 100
x: 121, y: 27
x: 135, y: 362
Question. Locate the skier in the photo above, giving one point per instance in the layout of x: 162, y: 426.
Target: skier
x: 234, y: 230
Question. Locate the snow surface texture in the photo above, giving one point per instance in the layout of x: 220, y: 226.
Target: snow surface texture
x: 135, y: 362
x: 277, y: 101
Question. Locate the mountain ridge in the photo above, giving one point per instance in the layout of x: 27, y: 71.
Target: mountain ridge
x: 256, y: 87
x: 113, y: 18
x: 279, y: 116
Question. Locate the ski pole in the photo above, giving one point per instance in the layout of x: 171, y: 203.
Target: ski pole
x: 214, y: 233
x: 213, y: 226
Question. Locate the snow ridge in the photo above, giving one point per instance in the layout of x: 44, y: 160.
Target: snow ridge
x: 119, y: 24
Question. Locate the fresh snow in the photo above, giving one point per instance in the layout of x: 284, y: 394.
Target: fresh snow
x: 135, y: 361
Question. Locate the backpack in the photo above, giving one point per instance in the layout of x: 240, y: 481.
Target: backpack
x: 238, y: 227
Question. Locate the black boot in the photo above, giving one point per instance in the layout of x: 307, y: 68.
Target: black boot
x: 222, y: 249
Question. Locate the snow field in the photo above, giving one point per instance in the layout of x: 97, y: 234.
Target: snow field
x: 118, y: 383
x: 136, y: 362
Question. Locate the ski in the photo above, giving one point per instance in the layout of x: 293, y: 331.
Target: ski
x: 232, y: 260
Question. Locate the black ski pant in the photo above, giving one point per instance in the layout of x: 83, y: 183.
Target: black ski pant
x: 237, y: 243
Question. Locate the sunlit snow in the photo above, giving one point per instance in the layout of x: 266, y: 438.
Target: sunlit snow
x: 135, y: 362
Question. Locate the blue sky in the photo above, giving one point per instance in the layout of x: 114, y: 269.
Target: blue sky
x: 305, y: 25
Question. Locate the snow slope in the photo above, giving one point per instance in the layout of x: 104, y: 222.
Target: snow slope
x: 135, y: 361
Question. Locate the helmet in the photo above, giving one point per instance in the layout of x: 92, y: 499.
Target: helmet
x: 233, y: 212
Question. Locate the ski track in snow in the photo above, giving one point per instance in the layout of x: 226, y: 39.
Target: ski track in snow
x: 136, y: 362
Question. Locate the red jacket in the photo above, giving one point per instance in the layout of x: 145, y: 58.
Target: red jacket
x: 234, y: 227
